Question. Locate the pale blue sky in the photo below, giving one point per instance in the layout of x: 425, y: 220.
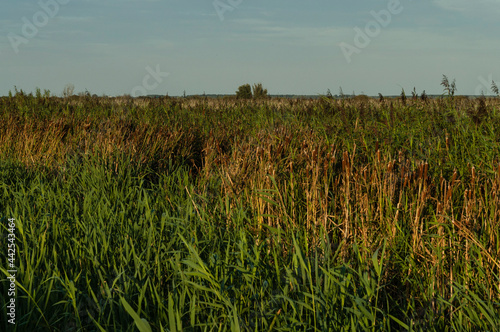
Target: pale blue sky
x: 292, y: 47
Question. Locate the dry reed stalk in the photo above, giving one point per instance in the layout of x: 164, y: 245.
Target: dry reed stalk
x: 346, y: 192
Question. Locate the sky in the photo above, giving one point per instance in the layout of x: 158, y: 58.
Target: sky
x: 140, y: 47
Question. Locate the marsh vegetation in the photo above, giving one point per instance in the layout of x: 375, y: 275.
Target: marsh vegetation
x: 260, y: 214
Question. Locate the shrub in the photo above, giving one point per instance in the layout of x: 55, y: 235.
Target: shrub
x: 244, y: 92
x: 259, y: 91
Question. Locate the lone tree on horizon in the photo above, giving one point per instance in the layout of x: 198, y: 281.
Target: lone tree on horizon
x: 244, y: 92
x: 259, y: 91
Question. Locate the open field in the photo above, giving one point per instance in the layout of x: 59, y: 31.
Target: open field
x: 200, y: 214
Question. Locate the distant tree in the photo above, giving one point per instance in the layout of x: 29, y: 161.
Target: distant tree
x: 244, y: 92
x: 68, y: 90
x: 259, y: 91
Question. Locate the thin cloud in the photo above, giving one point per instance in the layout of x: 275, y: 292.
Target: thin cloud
x: 264, y: 30
x: 75, y: 19
x: 471, y: 8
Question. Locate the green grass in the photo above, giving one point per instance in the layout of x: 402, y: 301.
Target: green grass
x: 287, y: 215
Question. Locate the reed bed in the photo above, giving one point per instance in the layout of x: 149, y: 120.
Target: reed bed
x: 276, y: 214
